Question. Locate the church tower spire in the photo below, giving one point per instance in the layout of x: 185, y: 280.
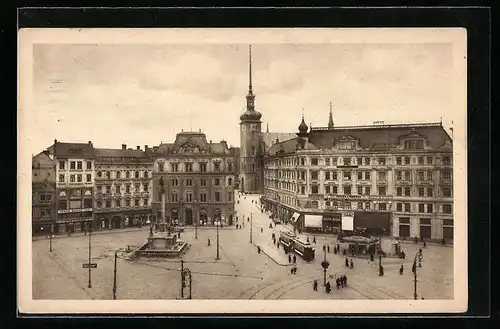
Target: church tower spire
x: 267, y: 127
x: 330, y: 118
x: 250, y: 96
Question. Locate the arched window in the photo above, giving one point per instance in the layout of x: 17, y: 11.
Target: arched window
x: 118, y: 174
x: 99, y: 174
x: 127, y: 174
x: 136, y: 174
x: 108, y: 174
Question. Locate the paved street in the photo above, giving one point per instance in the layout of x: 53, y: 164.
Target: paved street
x: 241, y: 272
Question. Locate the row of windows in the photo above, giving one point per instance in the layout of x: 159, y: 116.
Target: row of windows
x: 188, y: 167
x: 202, y: 182
x: 382, y: 206
x: 366, y: 190
x: 75, y: 165
x: 118, y: 174
x: 44, y: 197
x: 119, y: 188
x: 75, y: 204
x: 46, y: 212
x: 203, y: 197
x: 361, y: 175
x: 75, y: 178
x: 360, y: 161
x: 120, y: 203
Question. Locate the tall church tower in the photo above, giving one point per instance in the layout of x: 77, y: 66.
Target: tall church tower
x: 251, y: 171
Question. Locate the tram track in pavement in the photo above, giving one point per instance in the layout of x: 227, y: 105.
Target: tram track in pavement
x: 264, y: 286
x: 290, y: 287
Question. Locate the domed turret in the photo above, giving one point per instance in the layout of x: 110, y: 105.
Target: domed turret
x: 303, y: 127
x: 250, y: 115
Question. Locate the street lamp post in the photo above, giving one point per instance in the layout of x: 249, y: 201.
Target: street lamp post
x: 324, y: 264
x: 251, y: 224
x: 414, y: 270
x: 114, y: 277
x: 181, y: 203
x: 196, y: 219
x: 90, y: 257
x: 50, y: 242
x: 217, y: 225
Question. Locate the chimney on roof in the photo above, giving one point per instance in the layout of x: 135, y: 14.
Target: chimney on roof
x: 124, y: 146
x: 138, y: 147
x: 90, y: 143
x: 46, y: 152
x: 145, y: 147
x: 210, y: 141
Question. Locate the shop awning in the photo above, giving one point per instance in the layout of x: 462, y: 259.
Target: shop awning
x: 294, y: 217
x: 313, y: 221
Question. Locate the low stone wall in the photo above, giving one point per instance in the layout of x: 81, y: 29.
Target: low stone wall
x: 144, y: 252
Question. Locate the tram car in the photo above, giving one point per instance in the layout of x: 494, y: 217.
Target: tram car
x: 291, y: 242
x: 286, y: 239
x: 304, y: 249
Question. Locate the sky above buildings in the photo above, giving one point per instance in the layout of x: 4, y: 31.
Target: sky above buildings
x: 146, y: 94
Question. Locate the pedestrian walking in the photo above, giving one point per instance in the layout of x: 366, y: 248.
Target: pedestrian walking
x: 338, y: 248
x: 314, y: 239
x: 291, y: 270
x: 346, y: 261
x: 328, y: 248
x: 328, y: 288
x: 209, y: 242
x: 315, y: 285
x: 289, y: 258
x: 294, y: 259
x: 335, y: 250
x: 401, y: 270
x: 307, y: 239
x: 337, y: 281
x: 371, y: 257
x: 324, y: 248
x: 261, y: 229
x: 345, y: 280
x: 352, y: 264
x: 425, y: 245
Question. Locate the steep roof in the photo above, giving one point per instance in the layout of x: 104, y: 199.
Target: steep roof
x: 380, y: 136
x: 376, y: 137
x: 42, y: 160
x: 192, y: 143
x: 119, y: 153
x: 270, y: 138
x: 74, y: 150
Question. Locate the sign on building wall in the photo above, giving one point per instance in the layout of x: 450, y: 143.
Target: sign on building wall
x: 347, y: 223
x: 69, y: 211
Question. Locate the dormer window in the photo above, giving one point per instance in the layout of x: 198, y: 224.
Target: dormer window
x: 346, y: 143
x: 414, y: 144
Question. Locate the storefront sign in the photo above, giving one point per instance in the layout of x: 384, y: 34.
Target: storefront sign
x: 74, y: 220
x: 70, y: 211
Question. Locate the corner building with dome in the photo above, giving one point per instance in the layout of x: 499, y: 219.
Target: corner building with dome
x: 388, y: 179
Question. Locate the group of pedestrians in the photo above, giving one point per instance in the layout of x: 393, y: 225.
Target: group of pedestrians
x: 341, y: 281
x: 349, y: 264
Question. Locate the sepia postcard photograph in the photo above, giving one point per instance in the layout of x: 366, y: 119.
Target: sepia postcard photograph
x: 242, y: 171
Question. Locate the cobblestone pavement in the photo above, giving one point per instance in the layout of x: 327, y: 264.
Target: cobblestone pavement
x: 240, y: 273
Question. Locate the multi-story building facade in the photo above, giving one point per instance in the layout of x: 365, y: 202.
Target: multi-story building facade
x: 43, y: 193
x: 198, y: 178
x: 74, y: 185
x: 123, y: 184
x: 393, y: 179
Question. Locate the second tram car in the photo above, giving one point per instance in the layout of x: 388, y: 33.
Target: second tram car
x: 292, y: 243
